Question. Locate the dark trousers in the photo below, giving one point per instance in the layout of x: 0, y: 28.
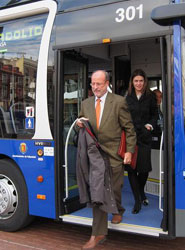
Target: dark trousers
x: 137, y: 183
x: 100, y: 218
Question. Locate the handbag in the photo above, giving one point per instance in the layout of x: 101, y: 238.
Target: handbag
x: 122, y: 150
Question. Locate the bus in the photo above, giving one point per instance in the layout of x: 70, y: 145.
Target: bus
x: 48, y: 51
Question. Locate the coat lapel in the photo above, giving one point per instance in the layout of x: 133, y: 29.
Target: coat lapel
x: 92, y: 113
x: 133, y: 96
x: 107, y: 109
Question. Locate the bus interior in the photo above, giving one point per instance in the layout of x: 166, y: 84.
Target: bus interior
x: 119, y: 59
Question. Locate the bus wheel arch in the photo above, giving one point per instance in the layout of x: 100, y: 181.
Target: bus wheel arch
x: 14, y: 209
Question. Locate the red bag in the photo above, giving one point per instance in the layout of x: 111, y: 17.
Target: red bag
x: 122, y: 150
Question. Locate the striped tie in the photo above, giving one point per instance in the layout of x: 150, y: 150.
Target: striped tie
x: 98, y: 110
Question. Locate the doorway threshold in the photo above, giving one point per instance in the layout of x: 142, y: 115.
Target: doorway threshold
x: 124, y: 227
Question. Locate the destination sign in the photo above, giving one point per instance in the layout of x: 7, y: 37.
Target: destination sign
x: 19, y: 34
x: 118, y: 21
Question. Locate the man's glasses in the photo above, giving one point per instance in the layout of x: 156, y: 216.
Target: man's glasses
x: 98, y: 84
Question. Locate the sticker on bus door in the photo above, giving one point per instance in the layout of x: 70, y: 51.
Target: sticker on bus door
x: 29, y: 111
x: 29, y: 123
x: 48, y: 151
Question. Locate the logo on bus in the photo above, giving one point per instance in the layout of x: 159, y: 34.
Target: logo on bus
x: 23, y: 148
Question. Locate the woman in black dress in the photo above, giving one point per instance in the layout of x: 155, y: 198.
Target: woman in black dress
x: 143, y: 108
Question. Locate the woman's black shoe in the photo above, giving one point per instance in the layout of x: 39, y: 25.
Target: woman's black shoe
x: 145, y: 202
x: 136, y: 208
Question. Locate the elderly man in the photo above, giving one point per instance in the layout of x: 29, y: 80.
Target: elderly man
x: 108, y: 114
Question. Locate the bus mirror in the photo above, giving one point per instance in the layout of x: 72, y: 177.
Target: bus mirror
x: 166, y: 14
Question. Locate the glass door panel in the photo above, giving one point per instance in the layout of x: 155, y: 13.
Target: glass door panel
x: 75, y: 78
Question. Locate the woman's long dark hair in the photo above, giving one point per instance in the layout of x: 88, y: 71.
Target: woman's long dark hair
x: 139, y: 72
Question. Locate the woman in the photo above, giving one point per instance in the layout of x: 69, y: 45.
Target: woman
x: 143, y: 108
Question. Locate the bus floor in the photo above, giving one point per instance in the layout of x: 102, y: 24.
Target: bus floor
x: 147, y: 221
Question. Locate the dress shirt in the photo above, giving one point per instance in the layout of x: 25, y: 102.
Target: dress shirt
x: 102, y: 103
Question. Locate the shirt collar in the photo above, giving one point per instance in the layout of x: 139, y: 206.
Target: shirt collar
x: 102, y: 98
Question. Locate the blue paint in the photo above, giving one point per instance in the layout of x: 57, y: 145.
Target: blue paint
x: 179, y: 137
x: 32, y: 166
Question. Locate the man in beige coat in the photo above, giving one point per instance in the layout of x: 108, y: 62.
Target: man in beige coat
x: 114, y: 116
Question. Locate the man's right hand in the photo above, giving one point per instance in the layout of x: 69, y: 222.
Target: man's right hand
x: 79, y: 122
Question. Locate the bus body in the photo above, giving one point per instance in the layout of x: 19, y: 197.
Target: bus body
x: 48, y: 50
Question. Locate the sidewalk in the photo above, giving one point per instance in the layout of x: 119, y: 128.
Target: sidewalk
x: 46, y: 234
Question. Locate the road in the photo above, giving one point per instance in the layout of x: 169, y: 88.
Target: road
x: 45, y: 234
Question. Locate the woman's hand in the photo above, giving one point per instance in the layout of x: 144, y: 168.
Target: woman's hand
x: 148, y: 127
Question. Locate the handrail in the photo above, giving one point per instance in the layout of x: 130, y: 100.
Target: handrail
x: 161, y: 172
x: 65, y: 161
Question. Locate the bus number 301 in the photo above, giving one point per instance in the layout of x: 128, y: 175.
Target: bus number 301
x: 129, y: 13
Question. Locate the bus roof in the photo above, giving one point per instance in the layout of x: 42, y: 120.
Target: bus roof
x: 73, y: 4
x: 63, y: 5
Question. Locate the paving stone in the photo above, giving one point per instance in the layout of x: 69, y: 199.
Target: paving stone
x: 45, y: 234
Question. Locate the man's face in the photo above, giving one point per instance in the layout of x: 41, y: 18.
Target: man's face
x: 99, y: 84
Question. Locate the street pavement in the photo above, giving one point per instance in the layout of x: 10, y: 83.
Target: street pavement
x: 45, y: 234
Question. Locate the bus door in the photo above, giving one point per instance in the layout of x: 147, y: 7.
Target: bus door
x: 179, y: 124
x: 72, y: 80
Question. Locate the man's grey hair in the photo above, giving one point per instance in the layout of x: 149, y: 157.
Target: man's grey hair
x: 107, y: 77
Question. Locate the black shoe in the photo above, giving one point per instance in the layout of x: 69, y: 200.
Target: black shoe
x: 145, y: 202
x: 136, y: 208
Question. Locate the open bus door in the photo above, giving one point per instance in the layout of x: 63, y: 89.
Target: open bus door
x: 174, y: 14
x: 72, y: 79
x: 150, y: 220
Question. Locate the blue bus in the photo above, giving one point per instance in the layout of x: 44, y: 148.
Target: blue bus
x: 48, y: 51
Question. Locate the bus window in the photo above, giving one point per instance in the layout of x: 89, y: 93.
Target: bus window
x: 19, y: 49
x: 74, y: 78
x: 9, y: 3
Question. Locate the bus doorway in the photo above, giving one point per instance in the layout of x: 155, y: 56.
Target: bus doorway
x: 122, y: 66
x: 73, y: 78
x: 145, y: 54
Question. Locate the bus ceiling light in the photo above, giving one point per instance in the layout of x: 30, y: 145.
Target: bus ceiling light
x: 40, y: 178
x: 106, y: 40
x: 41, y: 196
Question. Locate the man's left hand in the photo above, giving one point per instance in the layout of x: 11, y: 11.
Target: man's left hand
x: 127, y: 158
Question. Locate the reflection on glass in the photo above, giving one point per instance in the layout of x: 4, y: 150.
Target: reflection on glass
x: 19, y: 51
x: 74, y: 82
x: 66, y: 4
x: 11, y: 2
